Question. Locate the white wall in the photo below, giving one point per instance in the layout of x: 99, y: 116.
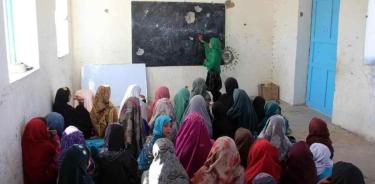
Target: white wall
x: 302, y: 57
x: 31, y: 96
x: 354, y: 99
x: 105, y: 38
x: 284, y: 46
x: 291, y: 39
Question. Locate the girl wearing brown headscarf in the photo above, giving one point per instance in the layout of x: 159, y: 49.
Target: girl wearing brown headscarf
x: 244, y: 139
x: 319, y: 133
x: 300, y: 166
x: 103, y: 112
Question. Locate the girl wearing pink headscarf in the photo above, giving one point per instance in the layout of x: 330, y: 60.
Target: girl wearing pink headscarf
x: 193, y: 143
x: 161, y: 92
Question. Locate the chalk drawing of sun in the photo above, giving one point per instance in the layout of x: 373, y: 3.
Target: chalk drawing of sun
x: 230, y: 58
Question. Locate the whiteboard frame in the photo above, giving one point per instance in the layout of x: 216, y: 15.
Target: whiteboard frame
x: 369, y: 50
x: 117, y: 76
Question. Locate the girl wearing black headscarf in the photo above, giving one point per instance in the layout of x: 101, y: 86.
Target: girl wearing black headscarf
x: 242, y: 113
x: 346, y: 173
x: 227, y: 98
x: 116, y: 165
x: 221, y: 126
x: 258, y: 104
x: 83, y: 120
x: 61, y: 106
x: 74, y: 166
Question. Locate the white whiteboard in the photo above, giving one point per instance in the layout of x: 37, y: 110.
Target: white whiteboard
x: 369, y: 57
x: 117, y: 76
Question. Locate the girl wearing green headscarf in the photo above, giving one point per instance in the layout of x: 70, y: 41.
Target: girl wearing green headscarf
x: 181, y: 100
x: 213, y: 52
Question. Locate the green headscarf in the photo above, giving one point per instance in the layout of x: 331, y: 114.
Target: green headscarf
x: 215, y: 43
x: 181, y: 100
x: 271, y: 108
x: 213, y: 55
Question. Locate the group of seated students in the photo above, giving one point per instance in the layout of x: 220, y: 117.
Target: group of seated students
x: 234, y: 140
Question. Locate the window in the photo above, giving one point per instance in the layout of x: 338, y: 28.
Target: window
x: 369, y: 57
x: 62, y: 27
x: 21, y: 35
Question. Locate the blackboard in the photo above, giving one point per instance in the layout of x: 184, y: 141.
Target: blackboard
x: 165, y: 33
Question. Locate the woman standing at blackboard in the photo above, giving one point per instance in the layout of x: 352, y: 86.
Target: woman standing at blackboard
x: 213, y: 52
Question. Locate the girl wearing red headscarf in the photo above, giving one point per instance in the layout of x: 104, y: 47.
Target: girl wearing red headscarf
x: 319, y: 133
x: 39, y: 151
x: 263, y: 157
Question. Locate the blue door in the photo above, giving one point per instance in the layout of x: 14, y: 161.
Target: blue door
x: 322, y: 64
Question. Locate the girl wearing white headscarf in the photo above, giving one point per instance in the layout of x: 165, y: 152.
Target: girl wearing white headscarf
x: 198, y: 104
x: 165, y: 168
x: 323, y: 163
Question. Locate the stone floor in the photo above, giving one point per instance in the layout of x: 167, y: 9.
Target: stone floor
x: 348, y: 146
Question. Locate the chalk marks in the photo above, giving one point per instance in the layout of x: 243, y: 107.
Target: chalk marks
x: 190, y: 17
x: 140, y: 52
x: 164, y: 33
x: 198, y: 8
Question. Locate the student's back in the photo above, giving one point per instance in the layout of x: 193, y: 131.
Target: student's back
x: 84, y: 121
x: 62, y: 107
x: 117, y: 164
x: 117, y: 167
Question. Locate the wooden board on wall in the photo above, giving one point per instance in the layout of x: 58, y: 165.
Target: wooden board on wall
x: 165, y: 33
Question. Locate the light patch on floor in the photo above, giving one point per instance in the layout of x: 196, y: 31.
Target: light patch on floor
x: 348, y: 146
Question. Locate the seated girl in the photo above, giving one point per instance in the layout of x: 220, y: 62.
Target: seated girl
x: 322, y: 161
x: 162, y: 129
x: 116, y: 165
x: 103, y: 111
x: 39, y: 151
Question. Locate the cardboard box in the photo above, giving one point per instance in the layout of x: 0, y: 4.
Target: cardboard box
x: 269, y: 91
